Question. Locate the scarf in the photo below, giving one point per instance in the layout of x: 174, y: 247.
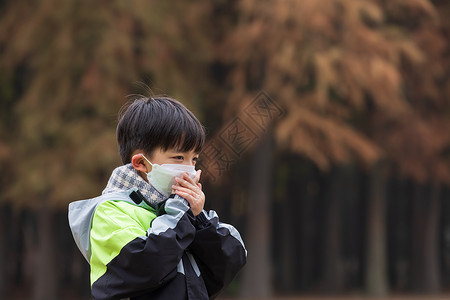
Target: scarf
x: 126, y: 177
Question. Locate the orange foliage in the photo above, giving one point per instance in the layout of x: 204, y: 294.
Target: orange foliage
x: 359, y: 79
x: 76, y: 63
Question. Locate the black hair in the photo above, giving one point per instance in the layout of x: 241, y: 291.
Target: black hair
x: 148, y: 123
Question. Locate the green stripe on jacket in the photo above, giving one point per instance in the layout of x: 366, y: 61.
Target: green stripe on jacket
x: 115, y: 224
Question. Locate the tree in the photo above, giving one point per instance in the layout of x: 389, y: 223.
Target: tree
x: 347, y: 73
x: 66, y: 70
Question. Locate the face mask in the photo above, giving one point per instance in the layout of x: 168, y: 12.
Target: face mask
x: 162, y: 177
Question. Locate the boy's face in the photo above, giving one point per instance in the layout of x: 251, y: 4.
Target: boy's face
x: 172, y: 156
x: 159, y: 156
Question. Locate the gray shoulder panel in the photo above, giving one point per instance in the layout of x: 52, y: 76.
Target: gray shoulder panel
x: 81, y: 213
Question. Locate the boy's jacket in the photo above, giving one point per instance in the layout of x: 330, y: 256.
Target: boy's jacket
x: 136, y: 252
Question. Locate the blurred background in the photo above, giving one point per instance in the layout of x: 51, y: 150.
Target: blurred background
x: 328, y: 135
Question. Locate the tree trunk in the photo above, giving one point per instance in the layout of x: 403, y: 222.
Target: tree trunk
x: 399, y: 233
x: 46, y: 277
x: 257, y: 281
x: 376, y: 272
x: 331, y: 270
x: 432, y: 280
x: 425, y: 244
x: 3, y: 250
x: 417, y: 237
x: 285, y: 278
x: 303, y: 216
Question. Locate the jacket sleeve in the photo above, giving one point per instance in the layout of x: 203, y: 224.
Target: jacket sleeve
x: 219, y: 251
x: 127, y: 258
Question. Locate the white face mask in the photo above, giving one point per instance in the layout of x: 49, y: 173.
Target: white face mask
x: 162, y: 177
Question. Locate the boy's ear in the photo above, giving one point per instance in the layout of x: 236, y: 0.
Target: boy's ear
x: 140, y: 164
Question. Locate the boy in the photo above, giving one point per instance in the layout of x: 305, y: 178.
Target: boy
x: 147, y: 236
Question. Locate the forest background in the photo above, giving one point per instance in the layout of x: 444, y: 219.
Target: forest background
x: 328, y: 134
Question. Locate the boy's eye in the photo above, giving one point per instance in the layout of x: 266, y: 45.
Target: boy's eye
x: 179, y: 157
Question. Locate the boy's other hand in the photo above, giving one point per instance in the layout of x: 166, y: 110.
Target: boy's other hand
x: 191, y: 190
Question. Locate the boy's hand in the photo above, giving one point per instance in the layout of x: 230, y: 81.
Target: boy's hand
x: 191, y: 190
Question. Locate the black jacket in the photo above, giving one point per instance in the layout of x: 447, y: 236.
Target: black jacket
x: 138, y: 253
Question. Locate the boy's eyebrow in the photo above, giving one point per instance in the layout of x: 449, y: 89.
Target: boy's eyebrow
x: 181, y: 151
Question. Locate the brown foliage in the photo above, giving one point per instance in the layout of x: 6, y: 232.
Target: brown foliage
x: 348, y: 73
x: 351, y: 76
x: 75, y: 64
